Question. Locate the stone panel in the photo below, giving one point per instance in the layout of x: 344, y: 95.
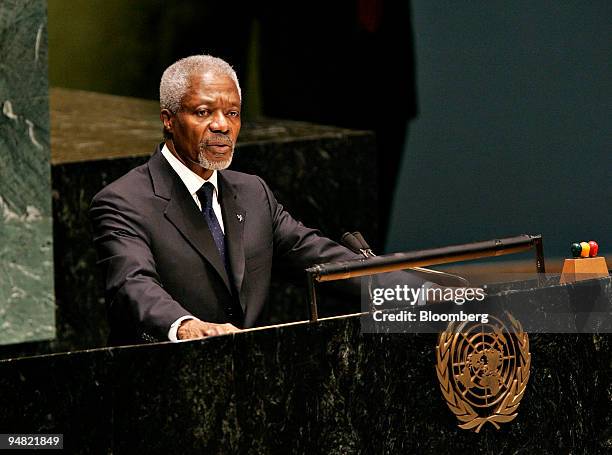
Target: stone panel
x: 27, y: 311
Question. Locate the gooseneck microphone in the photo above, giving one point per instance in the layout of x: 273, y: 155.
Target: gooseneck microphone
x: 364, y: 245
x: 356, y: 243
x: 352, y: 243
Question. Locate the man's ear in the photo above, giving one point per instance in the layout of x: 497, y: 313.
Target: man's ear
x: 167, y: 119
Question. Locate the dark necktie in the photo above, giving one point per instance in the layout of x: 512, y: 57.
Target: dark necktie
x: 205, y: 194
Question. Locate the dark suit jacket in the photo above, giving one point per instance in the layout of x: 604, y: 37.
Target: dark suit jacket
x: 160, y: 260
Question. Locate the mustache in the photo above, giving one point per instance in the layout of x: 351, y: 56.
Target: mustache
x: 216, y: 139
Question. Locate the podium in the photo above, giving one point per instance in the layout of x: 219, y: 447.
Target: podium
x: 305, y: 387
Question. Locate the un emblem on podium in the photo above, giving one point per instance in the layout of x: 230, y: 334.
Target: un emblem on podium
x: 483, y: 371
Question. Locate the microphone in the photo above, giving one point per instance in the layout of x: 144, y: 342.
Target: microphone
x: 356, y: 243
x: 352, y: 243
x: 364, y: 244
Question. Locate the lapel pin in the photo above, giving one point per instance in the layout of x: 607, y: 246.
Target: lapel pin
x: 240, y: 217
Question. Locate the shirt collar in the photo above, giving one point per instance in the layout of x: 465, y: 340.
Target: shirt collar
x: 192, y: 181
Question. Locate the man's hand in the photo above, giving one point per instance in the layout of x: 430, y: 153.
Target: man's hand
x: 192, y: 328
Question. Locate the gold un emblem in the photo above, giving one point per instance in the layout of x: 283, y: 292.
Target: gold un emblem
x: 483, y: 371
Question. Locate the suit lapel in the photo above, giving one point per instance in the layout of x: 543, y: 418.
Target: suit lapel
x: 183, y: 213
x: 234, y: 217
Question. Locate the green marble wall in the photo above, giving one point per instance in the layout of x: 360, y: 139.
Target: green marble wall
x: 27, y: 311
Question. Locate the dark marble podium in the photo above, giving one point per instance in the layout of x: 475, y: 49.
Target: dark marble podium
x: 300, y: 388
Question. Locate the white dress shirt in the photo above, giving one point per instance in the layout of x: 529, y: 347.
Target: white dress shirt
x: 193, y: 182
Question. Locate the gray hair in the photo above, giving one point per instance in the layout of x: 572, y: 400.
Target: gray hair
x: 175, y: 80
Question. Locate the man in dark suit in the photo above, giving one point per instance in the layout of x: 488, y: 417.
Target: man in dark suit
x: 187, y: 246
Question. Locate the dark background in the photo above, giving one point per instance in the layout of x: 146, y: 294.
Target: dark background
x: 513, y: 134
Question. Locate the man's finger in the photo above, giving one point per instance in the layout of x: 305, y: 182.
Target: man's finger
x: 209, y: 332
x: 231, y: 328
